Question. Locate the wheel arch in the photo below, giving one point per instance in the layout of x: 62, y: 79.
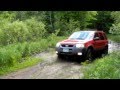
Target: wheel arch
x: 90, y: 47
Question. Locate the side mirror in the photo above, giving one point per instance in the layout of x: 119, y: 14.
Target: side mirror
x: 96, y: 38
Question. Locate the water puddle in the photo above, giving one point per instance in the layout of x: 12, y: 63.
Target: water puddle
x: 113, y: 46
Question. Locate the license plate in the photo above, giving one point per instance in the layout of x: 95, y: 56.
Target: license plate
x: 65, y: 50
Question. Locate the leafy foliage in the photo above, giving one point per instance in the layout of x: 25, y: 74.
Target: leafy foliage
x: 115, y: 28
x: 103, y: 21
x: 116, y: 16
x: 68, y: 21
x: 114, y: 37
x: 19, y: 31
x: 13, y: 53
x: 104, y: 68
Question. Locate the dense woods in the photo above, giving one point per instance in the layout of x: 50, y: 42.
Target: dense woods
x: 20, y: 26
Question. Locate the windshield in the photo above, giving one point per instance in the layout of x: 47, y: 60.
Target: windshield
x: 79, y: 35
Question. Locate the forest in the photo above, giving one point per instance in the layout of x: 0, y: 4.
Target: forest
x: 25, y: 33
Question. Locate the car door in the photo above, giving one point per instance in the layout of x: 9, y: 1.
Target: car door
x: 102, y: 40
x: 97, y: 43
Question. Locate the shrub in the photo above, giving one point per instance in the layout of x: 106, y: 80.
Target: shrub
x: 36, y: 29
x: 15, y: 32
x: 9, y: 56
x: 72, y: 26
x: 13, y: 53
x: 20, y: 31
x: 104, y: 68
x: 115, y: 29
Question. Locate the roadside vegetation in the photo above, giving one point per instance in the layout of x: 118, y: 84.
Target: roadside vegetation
x: 26, y: 62
x: 115, y: 38
x: 13, y: 54
x: 19, y: 40
x: 107, y: 67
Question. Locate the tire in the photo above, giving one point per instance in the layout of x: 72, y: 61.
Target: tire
x: 105, y: 51
x: 60, y: 56
x: 89, y: 55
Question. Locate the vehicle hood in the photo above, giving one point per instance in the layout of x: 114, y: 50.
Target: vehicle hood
x: 69, y: 41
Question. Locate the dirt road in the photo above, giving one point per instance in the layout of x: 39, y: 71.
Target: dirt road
x: 52, y: 68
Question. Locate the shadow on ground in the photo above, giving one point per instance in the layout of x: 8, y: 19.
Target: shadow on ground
x: 76, y: 60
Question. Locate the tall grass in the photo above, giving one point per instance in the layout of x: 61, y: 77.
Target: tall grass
x: 28, y: 61
x: 104, y: 68
x: 13, y: 53
x: 113, y: 37
x: 21, y: 39
x: 14, y: 56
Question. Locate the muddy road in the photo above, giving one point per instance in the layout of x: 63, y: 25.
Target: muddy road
x: 50, y: 68
x: 53, y: 68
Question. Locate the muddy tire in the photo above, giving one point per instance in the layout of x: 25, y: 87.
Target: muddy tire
x: 89, y: 55
x: 105, y: 51
x: 60, y: 56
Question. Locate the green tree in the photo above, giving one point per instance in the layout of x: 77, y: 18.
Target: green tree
x: 115, y: 29
x: 116, y: 16
x: 103, y: 21
x: 68, y: 21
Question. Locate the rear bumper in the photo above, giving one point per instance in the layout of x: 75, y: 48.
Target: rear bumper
x: 72, y: 51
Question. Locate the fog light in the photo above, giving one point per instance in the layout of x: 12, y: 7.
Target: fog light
x: 79, y: 53
x: 56, y: 51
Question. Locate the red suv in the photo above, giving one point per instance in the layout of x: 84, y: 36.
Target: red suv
x: 83, y: 43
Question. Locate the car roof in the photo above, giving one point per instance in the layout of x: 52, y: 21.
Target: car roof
x: 87, y: 31
x: 92, y: 31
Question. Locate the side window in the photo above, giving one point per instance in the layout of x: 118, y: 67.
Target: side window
x: 101, y: 36
x: 104, y: 36
x: 96, y: 35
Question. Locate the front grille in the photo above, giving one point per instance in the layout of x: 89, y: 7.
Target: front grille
x: 66, y: 52
x: 70, y: 50
x: 65, y: 45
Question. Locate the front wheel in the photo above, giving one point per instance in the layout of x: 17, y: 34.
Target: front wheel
x: 89, y: 55
x: 60, y: 56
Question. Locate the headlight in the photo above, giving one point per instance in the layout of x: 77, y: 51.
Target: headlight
x: 79, y: 45
x: 58, y: 44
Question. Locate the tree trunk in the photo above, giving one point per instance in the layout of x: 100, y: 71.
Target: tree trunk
x: 52, y: 20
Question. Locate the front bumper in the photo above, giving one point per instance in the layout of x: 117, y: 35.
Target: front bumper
x: 71, y: 51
